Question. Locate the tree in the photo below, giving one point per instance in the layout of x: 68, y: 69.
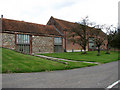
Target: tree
x: 118, y: 39
x: 111, y: 35
x: 115, y: 43
x: 81, y: 33
x: 100, y: 37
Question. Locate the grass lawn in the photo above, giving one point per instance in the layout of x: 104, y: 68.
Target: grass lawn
x: 14, y: 62
x: 91, y: 56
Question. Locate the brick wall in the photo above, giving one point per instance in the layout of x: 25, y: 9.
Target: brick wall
x: 8, y: 40
x: 70, y: 46
x: 42, y: 44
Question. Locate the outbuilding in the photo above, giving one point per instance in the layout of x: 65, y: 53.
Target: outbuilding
x: 29, y: 37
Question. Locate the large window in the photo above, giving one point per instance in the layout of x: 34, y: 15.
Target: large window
x: 91, y: 43
x: 58, y: 41
x: 57, y: 44
x: 23, y: 43
x: 91, y: 39
x: 23, y: 39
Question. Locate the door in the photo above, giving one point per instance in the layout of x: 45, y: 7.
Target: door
x: 58, y: 48
x: 58, y: 44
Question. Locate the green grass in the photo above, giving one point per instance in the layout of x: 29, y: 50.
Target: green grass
x: 14, y: 62
x: 91, y: 56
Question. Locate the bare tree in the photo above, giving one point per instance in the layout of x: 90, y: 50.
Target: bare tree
x: 100, y: 37
x: 111, y: 32
x: 81, y: 33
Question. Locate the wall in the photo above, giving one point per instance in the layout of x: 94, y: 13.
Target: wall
x: 42, y: 44
x: 8, y: 40
x: 70, y: 46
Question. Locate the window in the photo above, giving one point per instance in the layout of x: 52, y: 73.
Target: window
x: 91, y: 39
x: 23, y: 39
x: 91, y: 43
x: 58, y: 41
x: 57, y: 44
x: 23, y: 43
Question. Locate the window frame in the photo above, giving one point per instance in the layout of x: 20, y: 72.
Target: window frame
x: 57, y: 40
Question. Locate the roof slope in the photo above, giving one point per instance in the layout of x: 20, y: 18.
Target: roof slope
x: 62, y: 23
x: 65, y: 24
x: 27, y: 27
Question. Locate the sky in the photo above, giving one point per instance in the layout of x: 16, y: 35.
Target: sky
x: 39, y: 11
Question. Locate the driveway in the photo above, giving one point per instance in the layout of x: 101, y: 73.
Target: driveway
x: 99, y: 76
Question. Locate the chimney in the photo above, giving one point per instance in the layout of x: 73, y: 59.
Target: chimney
x: 1, y: 16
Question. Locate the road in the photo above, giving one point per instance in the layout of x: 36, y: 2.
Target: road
x: 99, y: 76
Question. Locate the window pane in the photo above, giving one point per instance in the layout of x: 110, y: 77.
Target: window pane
x: 23, y: 39
x: 91, y: 39
x: 20, y: 39
x: 58, y: 41
x: 17, y: 38
x: 91, y: 45
x: 28, y: 39
x: 23, y: 42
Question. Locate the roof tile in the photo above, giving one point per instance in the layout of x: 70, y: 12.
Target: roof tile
x: 27, y: 27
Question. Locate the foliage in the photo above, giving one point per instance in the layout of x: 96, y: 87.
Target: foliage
x: 81, y: 33
x: 99, y: 39
x: 111, y: 37
x: 115, y: 43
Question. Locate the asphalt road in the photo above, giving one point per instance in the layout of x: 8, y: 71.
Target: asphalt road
x: 99, y: 76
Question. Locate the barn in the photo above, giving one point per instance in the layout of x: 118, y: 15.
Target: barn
x: 64, y: 27
x: 26, y: 37
x: 30, y: 38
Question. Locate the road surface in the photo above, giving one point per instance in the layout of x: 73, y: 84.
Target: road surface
x: 99, y: 76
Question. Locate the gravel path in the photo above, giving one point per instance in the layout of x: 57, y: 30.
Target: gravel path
x: 53, y: 58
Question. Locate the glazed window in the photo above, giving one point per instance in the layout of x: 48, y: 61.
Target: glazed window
x: 91, y: 43
x: 91, y: 39
x: 23, y: 43
x: 23, y: 39
x: 58, y: 44
x: 58, y: 41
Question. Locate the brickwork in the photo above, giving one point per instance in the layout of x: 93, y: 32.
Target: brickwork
x: 62, y: 25
x: 42, y: 44
x: 8, y: 40
x: 70, y: 46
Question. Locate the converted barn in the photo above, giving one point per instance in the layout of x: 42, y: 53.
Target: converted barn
x: 64, y: 27
x: 26, y: 37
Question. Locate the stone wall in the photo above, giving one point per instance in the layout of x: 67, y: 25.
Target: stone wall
x: 42, y: 44
x: 8, y: 40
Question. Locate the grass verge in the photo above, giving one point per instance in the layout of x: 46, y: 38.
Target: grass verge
x: 14, y: 62
x: 91, y: 56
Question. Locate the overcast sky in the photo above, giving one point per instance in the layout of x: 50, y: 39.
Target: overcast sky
x: 39, y: 11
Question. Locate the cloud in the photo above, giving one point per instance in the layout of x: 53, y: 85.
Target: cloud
x: 39, y: 11
x: 61, y: 5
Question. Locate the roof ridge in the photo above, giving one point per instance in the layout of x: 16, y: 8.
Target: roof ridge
x: 63, y: 20
x: 25, y: 22
x: 16, y: 26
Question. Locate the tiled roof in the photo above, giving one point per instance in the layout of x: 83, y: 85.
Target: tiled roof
x: 65, y: 24
x: 27, y: 27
